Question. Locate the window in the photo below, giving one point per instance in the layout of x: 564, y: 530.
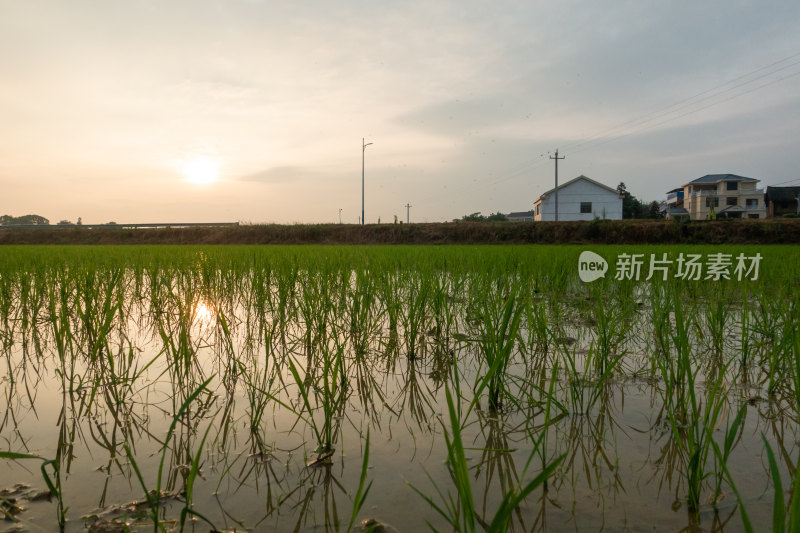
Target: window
x: 751, y: 203
x: 586, y: 207
x: 732, y: 185
x: 709, y: 201
x: 537, y: 209
x: 731, y: 200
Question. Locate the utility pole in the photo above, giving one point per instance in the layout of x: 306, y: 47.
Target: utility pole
x: 408, y: 213
x: 363, y: 149
x: 556, y: 189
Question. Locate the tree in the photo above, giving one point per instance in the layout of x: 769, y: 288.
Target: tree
x: 477, y: 217
x: 36, y: 220
x: 635, y: 208
x: 65, y: 223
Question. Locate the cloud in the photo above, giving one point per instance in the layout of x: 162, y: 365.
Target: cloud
x: 281, y: 174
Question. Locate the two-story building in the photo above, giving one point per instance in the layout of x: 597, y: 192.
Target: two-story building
x: 723, y: 195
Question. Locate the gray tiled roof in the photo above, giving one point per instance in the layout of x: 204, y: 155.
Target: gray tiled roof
x: 714, y: 178
x: 782, y: 194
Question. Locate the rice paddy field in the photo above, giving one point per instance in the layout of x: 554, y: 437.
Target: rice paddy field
x: 399, y: 389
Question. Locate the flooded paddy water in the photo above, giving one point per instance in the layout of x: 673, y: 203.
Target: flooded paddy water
x: 394, y: 389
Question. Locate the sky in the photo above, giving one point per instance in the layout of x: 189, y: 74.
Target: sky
x: 255, y: 111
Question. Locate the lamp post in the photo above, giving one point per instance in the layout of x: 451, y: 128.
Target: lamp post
x: 363, y: 149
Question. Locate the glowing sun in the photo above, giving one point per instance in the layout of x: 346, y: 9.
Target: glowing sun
x: 202, y: 169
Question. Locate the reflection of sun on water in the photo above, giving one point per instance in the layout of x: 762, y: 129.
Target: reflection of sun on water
x: 203, y: 313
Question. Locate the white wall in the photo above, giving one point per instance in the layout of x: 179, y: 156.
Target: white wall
x: 605, y: 204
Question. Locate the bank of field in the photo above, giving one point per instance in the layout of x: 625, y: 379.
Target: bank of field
x: 468, y: 388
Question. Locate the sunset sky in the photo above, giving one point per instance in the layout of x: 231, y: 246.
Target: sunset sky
x: 254, y: 111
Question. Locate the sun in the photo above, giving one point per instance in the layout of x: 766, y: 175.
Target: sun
x: 201, y: 169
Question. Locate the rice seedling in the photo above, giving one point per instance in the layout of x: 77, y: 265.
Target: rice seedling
x: 154, y: 496
x: 459, y: 511
x: 122, y: 335
x: 499, y: 330
x: 785, y: 517
x: 414, y: 317
x: 328, y: 388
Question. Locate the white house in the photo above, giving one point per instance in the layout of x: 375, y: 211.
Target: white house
x: 579, y: 199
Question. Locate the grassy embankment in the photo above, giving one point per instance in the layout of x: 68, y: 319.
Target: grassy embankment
x: 773, y: 231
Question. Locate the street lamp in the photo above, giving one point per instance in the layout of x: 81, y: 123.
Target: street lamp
x: 363, y: 149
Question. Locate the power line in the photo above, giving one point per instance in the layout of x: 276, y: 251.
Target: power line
x: 623, y: 135
x: 604, y: 137
x: 692, y: 100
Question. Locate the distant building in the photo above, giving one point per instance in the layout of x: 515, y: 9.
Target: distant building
x: 579, y: 199
x: 782, y: 201
x: 723, y: 195
x: 520, y: 216
x: 673, y: 207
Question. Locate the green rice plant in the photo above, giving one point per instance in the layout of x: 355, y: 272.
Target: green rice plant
x: 717, y: 318
x: 414, y: 317
x: 536, y: 325
x: 365, y: 317
x: 784, y: 518
x: 154, y: 497
x: 693, y: 423
x: 733, y: 433
x: 499, y: 330
x: 194, y: 469
x: 363, y: 490
x: 612, y: 325
x: 328, y: 388
x: 676, y: 366
x: 459, y: 511
x: 585, y: 386
x: 745, y: 340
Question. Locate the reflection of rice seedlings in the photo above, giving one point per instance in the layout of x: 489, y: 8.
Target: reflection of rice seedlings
x: 460, y: 511
x: 417, y: 400
x: 585, y: 386
x: 328, y: 388
x: 154, y: 497
x: 693, y: 421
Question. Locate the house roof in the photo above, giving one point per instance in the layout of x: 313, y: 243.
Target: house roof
x: 782, y: 194
x: 570, y: 182
x: 677, y: 211
x: 716, y: 178
x: 520, y: 214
